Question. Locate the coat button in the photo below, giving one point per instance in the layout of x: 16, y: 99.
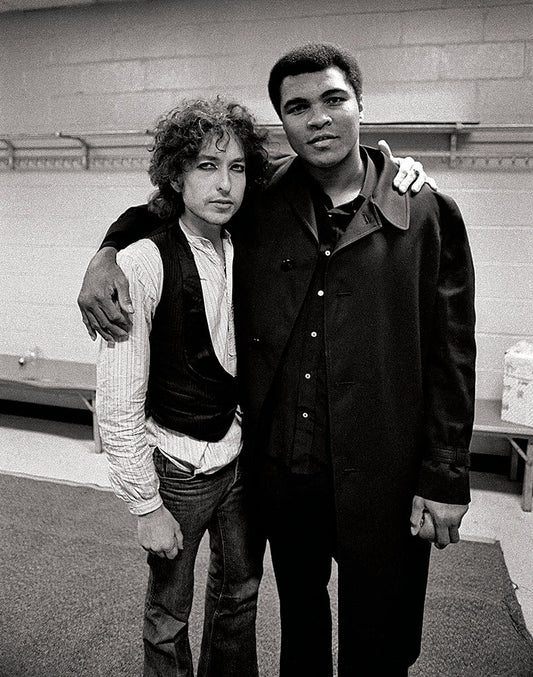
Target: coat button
x: 287, y: 264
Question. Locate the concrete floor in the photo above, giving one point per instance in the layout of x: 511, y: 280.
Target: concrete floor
x: 64, y: 452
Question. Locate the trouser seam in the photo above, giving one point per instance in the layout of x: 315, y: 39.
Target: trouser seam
x: 221, y: 593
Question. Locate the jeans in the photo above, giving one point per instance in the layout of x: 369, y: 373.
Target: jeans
x: 214, y: 503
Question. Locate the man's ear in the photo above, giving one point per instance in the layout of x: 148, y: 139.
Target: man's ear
x: 177, y: 185
x: 361, y: 115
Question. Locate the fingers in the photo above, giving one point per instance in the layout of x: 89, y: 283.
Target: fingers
x: 442, y: 536
x: 88, y: 326
x: 412, y: 176
x: 427, y: 528
x: 384, y: 147
x: 436, y: 522
x: 406, y: 174
x: 419, y: 177
x: 454, y: 535
x: 417, y: 513
x: 109, y: 322
x: 179, y: 538
x: 124, y: 299
x: 170, y: 551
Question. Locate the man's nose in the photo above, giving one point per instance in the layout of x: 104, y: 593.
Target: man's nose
x: 319, y: 118
x: 224, y: 181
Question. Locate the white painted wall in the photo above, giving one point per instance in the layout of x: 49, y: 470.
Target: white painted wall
x: 118, y: 66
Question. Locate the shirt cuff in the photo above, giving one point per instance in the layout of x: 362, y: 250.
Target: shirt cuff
x: 144, y: 507
x: 444, y: 482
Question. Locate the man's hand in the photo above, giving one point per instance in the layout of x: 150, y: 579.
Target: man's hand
x: 411, y: 174
x: 159, y: 533
x: 436, y: 522
x: 104, y: 298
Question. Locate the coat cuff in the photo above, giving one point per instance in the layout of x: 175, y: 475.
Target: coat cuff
x: 445, y: 482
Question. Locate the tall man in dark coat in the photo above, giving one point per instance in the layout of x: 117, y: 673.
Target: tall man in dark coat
x: 355, y: 329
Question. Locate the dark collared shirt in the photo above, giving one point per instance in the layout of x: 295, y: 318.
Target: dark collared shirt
x: 299, y: 430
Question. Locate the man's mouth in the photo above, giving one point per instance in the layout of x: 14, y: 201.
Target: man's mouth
x: 321, y: 138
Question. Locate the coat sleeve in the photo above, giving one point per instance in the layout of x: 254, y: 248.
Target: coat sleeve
x: 132, y: 225
x: 450, y: 367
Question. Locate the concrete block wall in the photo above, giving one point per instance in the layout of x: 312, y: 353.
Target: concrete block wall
x: 118, y: 66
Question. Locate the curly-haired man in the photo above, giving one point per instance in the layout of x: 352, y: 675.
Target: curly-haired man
x: 167, y: 396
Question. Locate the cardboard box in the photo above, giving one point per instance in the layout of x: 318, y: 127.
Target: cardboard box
x: 517, y: 399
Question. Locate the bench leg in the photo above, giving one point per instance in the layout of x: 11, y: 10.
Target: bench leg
x: 513, y: 468
x: 96, y: 435
x: 527, y: 487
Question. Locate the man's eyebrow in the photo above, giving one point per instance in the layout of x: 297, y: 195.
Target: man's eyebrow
x: 336, y: 90
x: 213, y: 158
x: 295, y: 99
x: 323, y: 95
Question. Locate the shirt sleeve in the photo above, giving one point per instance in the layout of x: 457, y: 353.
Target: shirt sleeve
x: 132, y: 225
x: 450, y: 374
x: 122, y: 381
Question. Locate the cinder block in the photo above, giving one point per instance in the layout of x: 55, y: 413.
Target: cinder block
x: 400, y: 64
x: 166, y: 40
x: 493, y: 60
x: 509, y: 23
x: 528, y: 69
x: 504, y: 316
x: 489, y: 383
x: 504, y: 279
x: 491, y: 349
x: 420, y: 101
x: 83, y: 112
x: 504, y: 101
x: 493, y: 208
x: 501, y: 244
x: 443, y: 26
x: 359, y: 31
x: 102, y: 77
x: 83, y: 35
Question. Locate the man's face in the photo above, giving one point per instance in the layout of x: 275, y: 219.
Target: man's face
x: 320, y: 115
x: 212, y: 187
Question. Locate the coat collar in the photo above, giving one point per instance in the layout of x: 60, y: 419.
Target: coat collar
x: 383, y: 204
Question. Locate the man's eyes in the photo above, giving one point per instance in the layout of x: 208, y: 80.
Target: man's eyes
x: 335, y: 100
x: 238, y: 167
x: 296, y: 108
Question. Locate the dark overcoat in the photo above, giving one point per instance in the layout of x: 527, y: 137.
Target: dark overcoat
x: 400, y: 353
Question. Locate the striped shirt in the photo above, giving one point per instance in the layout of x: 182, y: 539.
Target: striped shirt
x: 128, y: 436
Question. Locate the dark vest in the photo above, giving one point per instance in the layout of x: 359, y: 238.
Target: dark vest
x: 188, y: 389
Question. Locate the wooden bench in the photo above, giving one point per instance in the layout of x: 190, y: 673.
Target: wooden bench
x: 36, y: 376
x: 80, y: 378
x: 488, y: 421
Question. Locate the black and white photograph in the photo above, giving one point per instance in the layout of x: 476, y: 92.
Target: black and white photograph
x: 266, y: 348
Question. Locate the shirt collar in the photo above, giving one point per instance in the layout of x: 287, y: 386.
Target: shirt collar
x: 377, y: 188
x: 193, y: 238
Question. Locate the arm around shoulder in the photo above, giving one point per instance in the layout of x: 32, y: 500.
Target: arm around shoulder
x: 104, y: 299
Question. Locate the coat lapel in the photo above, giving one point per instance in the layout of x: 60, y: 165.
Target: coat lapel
x: 296, y: 191
x: 385, y: 205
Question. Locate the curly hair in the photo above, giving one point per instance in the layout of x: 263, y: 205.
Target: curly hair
x: 311, y: 58
x: 179, y: 137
